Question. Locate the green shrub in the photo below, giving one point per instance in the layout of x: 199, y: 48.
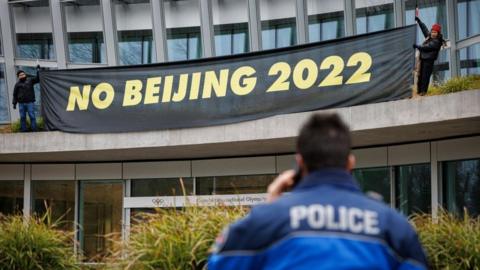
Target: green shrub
x: 450, y: 242
x: 456, y: 84
x: 15, y: 127
x: 174, y: 238
x: 34, y: 243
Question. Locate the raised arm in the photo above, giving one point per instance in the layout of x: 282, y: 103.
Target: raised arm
x: 423, y: 27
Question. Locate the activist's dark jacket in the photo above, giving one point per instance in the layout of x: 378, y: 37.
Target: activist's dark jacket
x: 24, y: 92
x: 431, y: 46
x: 370, y: 235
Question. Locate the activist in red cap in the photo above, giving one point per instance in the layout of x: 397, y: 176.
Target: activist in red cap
x: 428, y: 53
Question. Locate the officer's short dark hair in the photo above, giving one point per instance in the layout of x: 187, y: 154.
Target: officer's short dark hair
x: 20, y: 71
x: 324, y: 142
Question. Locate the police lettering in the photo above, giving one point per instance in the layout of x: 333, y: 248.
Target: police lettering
x: 349, y: 219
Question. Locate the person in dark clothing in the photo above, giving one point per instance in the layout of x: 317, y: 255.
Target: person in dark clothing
x: 428, y: 54
x: 24, y: 95
x: 325, y: 222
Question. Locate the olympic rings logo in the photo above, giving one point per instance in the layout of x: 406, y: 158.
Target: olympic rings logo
x: 158, y: 201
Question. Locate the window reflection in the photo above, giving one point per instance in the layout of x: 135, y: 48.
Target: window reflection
x: 470, y: 60
x: 468, y: 18
x: 4, y: 98
x: 413, y: 189
x: 376, y: 180
x: 461, y: 186
x: 11, y: 197
x: 58, y: 197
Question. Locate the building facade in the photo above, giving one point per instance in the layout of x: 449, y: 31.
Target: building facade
x: 420, y: 155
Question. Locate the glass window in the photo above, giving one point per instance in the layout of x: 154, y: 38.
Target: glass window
x: 374, y: 15
x: 11, y: 197
x: 431, y: 12
x: 278, y: 23
x: 161, y: 187
x: 134, y: 30
x: 461, y: 186
x: 376, y: 180
x: 84, y: 31
x: 468, y: 18
x: 246, y: 184
x: 100, y: 213
x: 230, y: 20
x: 4, y: 98
x: 33, y: 28
x: 59, y: 197
x: 182, y: 20
x: 470, y: 60
x: 325, y: 20
x: 413, y: 189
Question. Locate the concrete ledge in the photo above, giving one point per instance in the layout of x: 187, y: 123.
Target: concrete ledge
x: 399, y: 121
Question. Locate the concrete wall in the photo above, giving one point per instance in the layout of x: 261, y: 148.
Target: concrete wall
x: 394, y: 122
x: 404, y: 154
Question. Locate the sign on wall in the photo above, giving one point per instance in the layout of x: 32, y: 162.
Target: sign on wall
x: 363, y: 69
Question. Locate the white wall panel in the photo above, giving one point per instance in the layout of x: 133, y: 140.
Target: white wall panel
x: 133, y: 17
x: 285, y: 162
x: 229, y: 11
x: 409, y: 154
x: 53, y: 172
x: 324, y: 6
x: 167, y: 169
x: 99, y: 171
x: 11, y: 171
x: 233, y: 166
x: 32, y: 20
x: 465, y: 148
x: 276, y: 9
x: 371, y: 157
x: 181, y: 14
x: 84, y: 18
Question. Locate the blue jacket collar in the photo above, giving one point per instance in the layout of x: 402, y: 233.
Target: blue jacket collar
x: 339, y: 178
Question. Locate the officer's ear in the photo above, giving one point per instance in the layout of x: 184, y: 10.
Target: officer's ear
x: 301, y: 164
x: 351, y: 162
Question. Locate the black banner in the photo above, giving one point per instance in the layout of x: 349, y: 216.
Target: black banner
x: 355, y: 70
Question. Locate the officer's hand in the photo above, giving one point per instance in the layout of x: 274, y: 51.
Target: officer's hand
x: 14, y: 106
x: 279, y: 185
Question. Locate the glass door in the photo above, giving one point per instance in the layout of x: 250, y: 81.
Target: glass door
x: 100, y: 214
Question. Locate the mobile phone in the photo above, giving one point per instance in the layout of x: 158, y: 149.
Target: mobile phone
x: 297, y: 176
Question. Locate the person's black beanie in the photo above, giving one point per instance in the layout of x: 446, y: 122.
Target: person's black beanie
x: 20, y: 71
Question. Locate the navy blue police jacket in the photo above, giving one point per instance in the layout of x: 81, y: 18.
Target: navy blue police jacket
x: 326, y: 222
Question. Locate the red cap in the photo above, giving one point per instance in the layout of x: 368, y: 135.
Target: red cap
x: 437, y: 27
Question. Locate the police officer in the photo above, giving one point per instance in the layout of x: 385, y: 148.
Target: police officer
x: 24, y: 95
x: 325, y: 222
